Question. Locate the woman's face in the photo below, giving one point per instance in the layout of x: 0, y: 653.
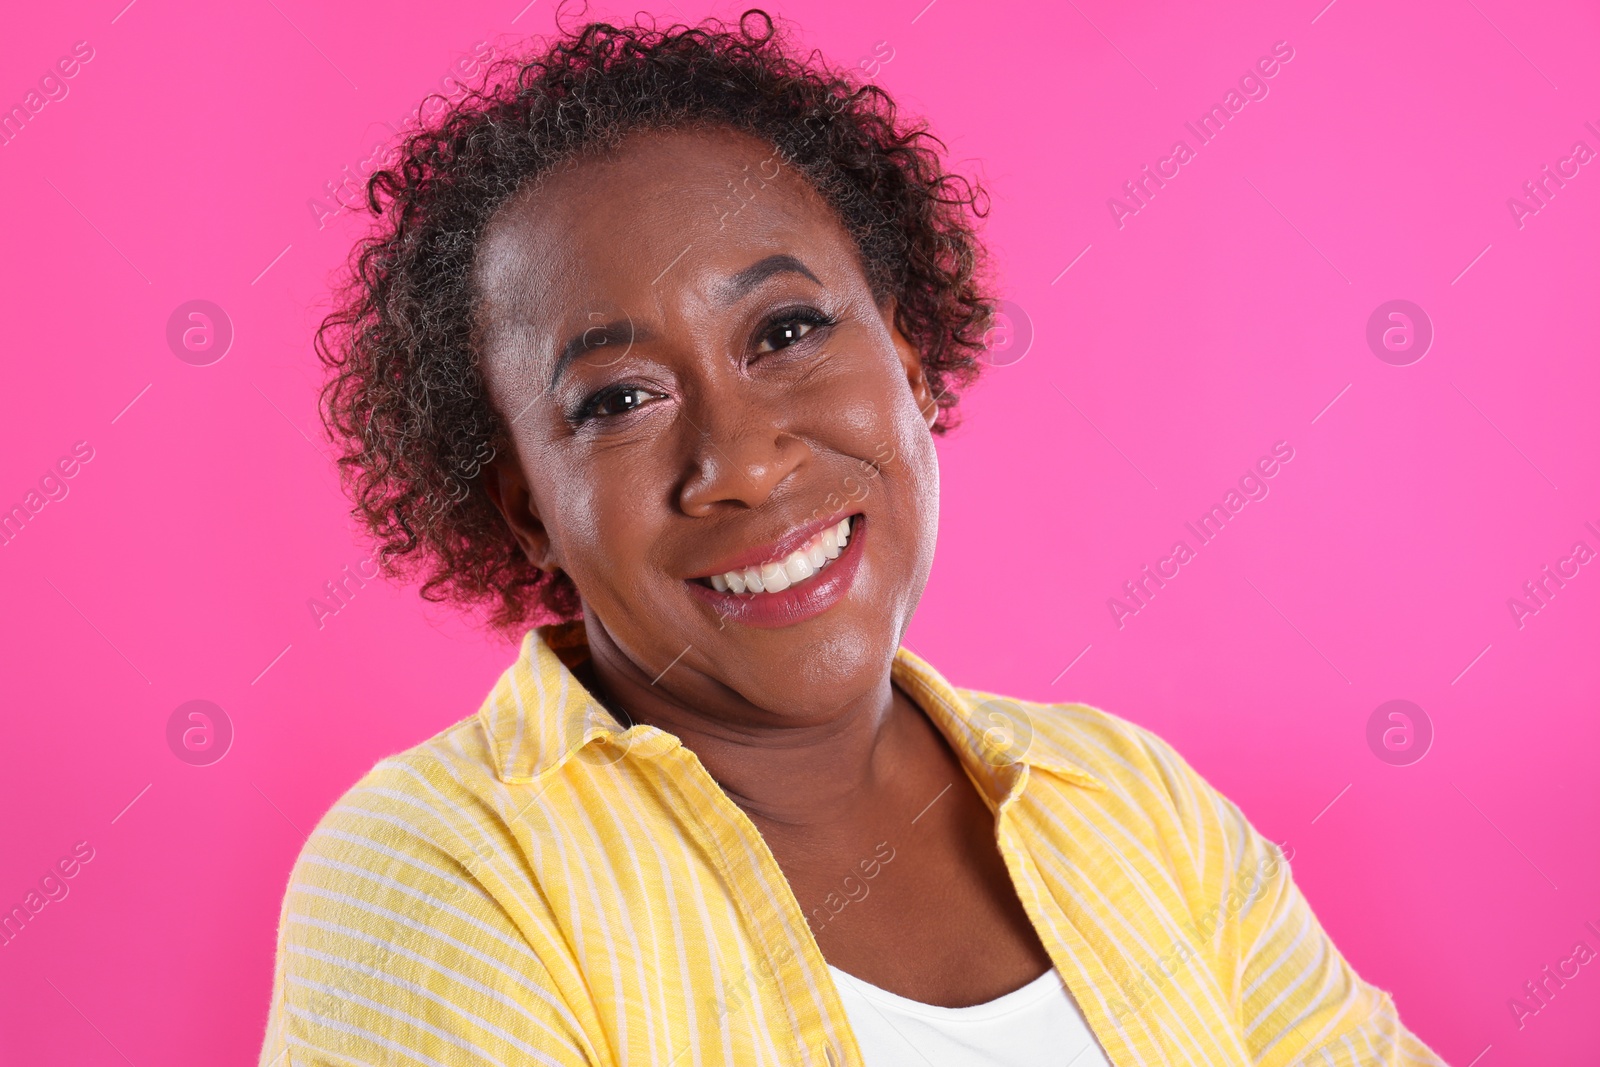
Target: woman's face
x: 699, y: 384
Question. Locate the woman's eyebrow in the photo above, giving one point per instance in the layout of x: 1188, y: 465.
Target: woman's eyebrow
x: 617, y: 332
x: 740, y: 284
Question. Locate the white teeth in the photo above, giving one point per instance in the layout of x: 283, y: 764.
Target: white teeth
x: 798, y: 566
x: 774, y: 578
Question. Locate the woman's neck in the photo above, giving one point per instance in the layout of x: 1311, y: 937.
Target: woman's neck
x: 782, y: 767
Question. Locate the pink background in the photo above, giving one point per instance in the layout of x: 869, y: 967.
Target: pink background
x: 1223, y: 317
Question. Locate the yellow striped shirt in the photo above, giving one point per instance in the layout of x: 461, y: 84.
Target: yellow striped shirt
x: 537, y: 885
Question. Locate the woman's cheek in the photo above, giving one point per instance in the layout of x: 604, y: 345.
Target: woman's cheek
x: 580, y: 524
x: 620, y: 514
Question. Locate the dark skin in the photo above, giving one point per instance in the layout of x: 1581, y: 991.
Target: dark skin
x: 707, y: 414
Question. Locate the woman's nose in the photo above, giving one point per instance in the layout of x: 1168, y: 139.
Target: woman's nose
x: 738, y: 459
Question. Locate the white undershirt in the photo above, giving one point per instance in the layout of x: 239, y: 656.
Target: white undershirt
x: 1037, y: 1025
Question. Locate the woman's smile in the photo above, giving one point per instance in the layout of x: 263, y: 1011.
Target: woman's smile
x: 779, y: 587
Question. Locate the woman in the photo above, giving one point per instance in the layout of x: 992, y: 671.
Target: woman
x: 652, y: 342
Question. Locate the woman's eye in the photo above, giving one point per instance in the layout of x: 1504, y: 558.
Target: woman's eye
x: 613, y: 402
x: 784, y: 334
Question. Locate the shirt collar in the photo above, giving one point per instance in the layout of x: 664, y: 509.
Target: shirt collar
x: 995, y: 737
x: 539, y: 714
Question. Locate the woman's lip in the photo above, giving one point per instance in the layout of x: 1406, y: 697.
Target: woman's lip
x: 798, y: 602
x: 776, y: 550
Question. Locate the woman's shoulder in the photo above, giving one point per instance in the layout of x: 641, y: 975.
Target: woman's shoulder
x: 1092, y: 734
x: 1116, y: 753
x: 405, y: 904
x: 426, y: 815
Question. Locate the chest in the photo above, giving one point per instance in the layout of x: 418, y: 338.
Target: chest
x: 925, y: 909
x: 670, y: 923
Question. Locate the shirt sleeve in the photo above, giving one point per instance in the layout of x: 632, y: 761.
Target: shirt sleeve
x: 393, y: 953
x: 1300, y: 1002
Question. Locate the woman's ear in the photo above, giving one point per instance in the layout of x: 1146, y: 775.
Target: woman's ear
x: 911, y: 360
x: 508, y: 489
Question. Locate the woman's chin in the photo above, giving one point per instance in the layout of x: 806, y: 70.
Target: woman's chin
x: 812, y: 669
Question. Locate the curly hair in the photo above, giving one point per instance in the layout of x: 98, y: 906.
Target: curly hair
x: 406, y: 402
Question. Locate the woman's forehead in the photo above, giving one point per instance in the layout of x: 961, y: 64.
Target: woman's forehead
x: 655, y: 220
